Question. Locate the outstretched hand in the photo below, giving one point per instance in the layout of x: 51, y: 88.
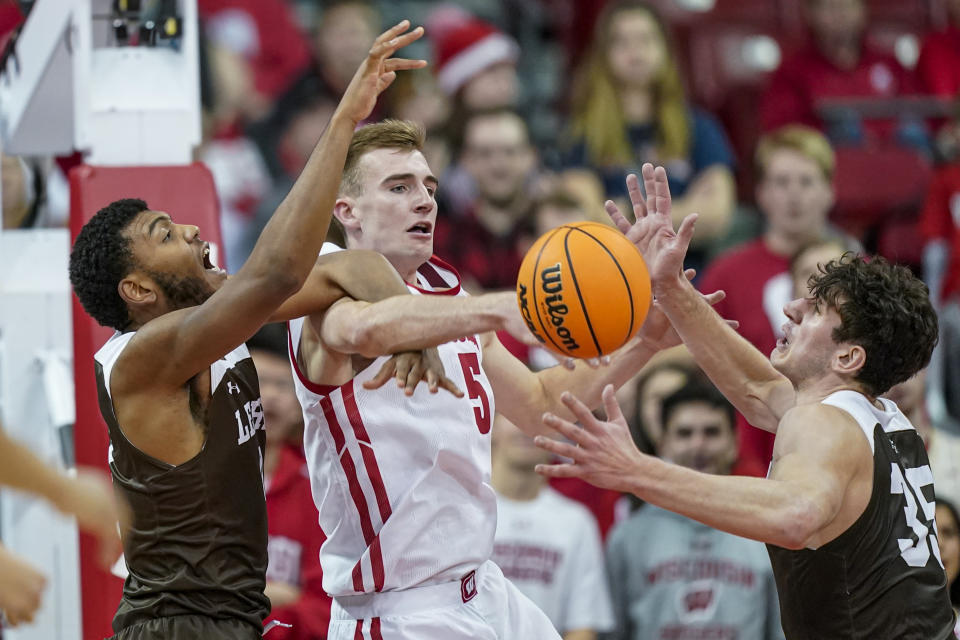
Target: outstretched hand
x: 378, y: 71
x: 663, y: 249
x: 21, y: 589
x: 410, y: 368
x: 602, y: 453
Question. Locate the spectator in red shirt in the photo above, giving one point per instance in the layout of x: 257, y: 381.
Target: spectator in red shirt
x: 482, y: 237
x: 294, y: 577
x: 265, y: 34
x: 839, y: 63
x: 795, y: 193
x: 938, y: 68
x: 940, y: 227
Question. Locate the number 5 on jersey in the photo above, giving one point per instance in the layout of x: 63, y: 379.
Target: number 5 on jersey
x: 471, y: 369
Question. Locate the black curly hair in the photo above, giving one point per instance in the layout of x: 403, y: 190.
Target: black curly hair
x: 100, y: 258
x: 885, y: 309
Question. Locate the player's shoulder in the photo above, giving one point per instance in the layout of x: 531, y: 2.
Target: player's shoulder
x: 818, y: 426
x: 137, y: 362
x: 805, y: 412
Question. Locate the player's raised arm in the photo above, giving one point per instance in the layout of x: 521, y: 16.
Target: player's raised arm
x: 742, y: 373
x: 192, y: 338
x: 335, y: 276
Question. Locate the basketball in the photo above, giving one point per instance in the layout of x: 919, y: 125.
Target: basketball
x: 583, y: 290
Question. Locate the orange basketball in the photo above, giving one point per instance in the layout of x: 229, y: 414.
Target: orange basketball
x: 583, y: 289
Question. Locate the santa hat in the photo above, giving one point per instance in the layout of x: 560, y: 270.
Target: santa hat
x: 464, y: 49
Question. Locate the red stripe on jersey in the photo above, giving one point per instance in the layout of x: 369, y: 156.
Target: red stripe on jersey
x: 429, y: 272
x: 376, y: 564
x: 369, y: 458
x: 366, y: 524
x: 358, y: 576
x: 319, y: 389
x: 331, y: 417
x: 376, y: 561
x: 433, y: 277
x: 375, y: 629
x: 358, y: 630
x: 353, y: 482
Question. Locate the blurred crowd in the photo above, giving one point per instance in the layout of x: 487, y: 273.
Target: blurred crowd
x: 797, y: 129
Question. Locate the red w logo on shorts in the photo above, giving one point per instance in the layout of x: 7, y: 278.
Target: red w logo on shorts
x: 468, y: 586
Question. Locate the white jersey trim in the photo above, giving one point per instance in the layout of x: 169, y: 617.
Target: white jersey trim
x: 219, y: 368
x: 868, y: 416
x: 108, y: 354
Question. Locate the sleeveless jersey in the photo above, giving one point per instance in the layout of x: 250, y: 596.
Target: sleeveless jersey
x: 883, y: 577
x: 402, y: 484
x: 198, y: 542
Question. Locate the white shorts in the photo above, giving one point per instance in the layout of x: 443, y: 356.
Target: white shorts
x: 483, y: 605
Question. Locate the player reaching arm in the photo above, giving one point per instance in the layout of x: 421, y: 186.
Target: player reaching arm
x: 192, y: 338
x: 814, y: 468
x: 375, y: 329
x: 407, y: 323
x: 742, y: 373
x: 844, y: 507
x: 88, y: 497
x: 817, y: 466
x: 21, y: 589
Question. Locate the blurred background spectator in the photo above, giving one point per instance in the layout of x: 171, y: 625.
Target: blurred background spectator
x: 482, y: 223
x: 294, y: 577
x: 546, y: 544
x: 687, y: 580
x: 657, y: 381
x: 794, y: 192
x: 948, y: 535
x: 839, y: 63
x: 938, y: 66
x: 629, y: 106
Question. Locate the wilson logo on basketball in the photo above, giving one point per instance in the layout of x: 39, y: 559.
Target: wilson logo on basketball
x: 583, y: 289
x: 551, y: 281
x: 527, y: 315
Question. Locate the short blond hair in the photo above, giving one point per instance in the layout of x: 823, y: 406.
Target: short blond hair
x: 389, y: 134
x: 806, y: 141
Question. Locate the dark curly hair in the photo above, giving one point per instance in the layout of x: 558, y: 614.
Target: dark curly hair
x: 885, y: 309
x: 100, y: 258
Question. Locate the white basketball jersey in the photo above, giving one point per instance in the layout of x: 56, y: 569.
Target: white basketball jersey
x: 402, y: 484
